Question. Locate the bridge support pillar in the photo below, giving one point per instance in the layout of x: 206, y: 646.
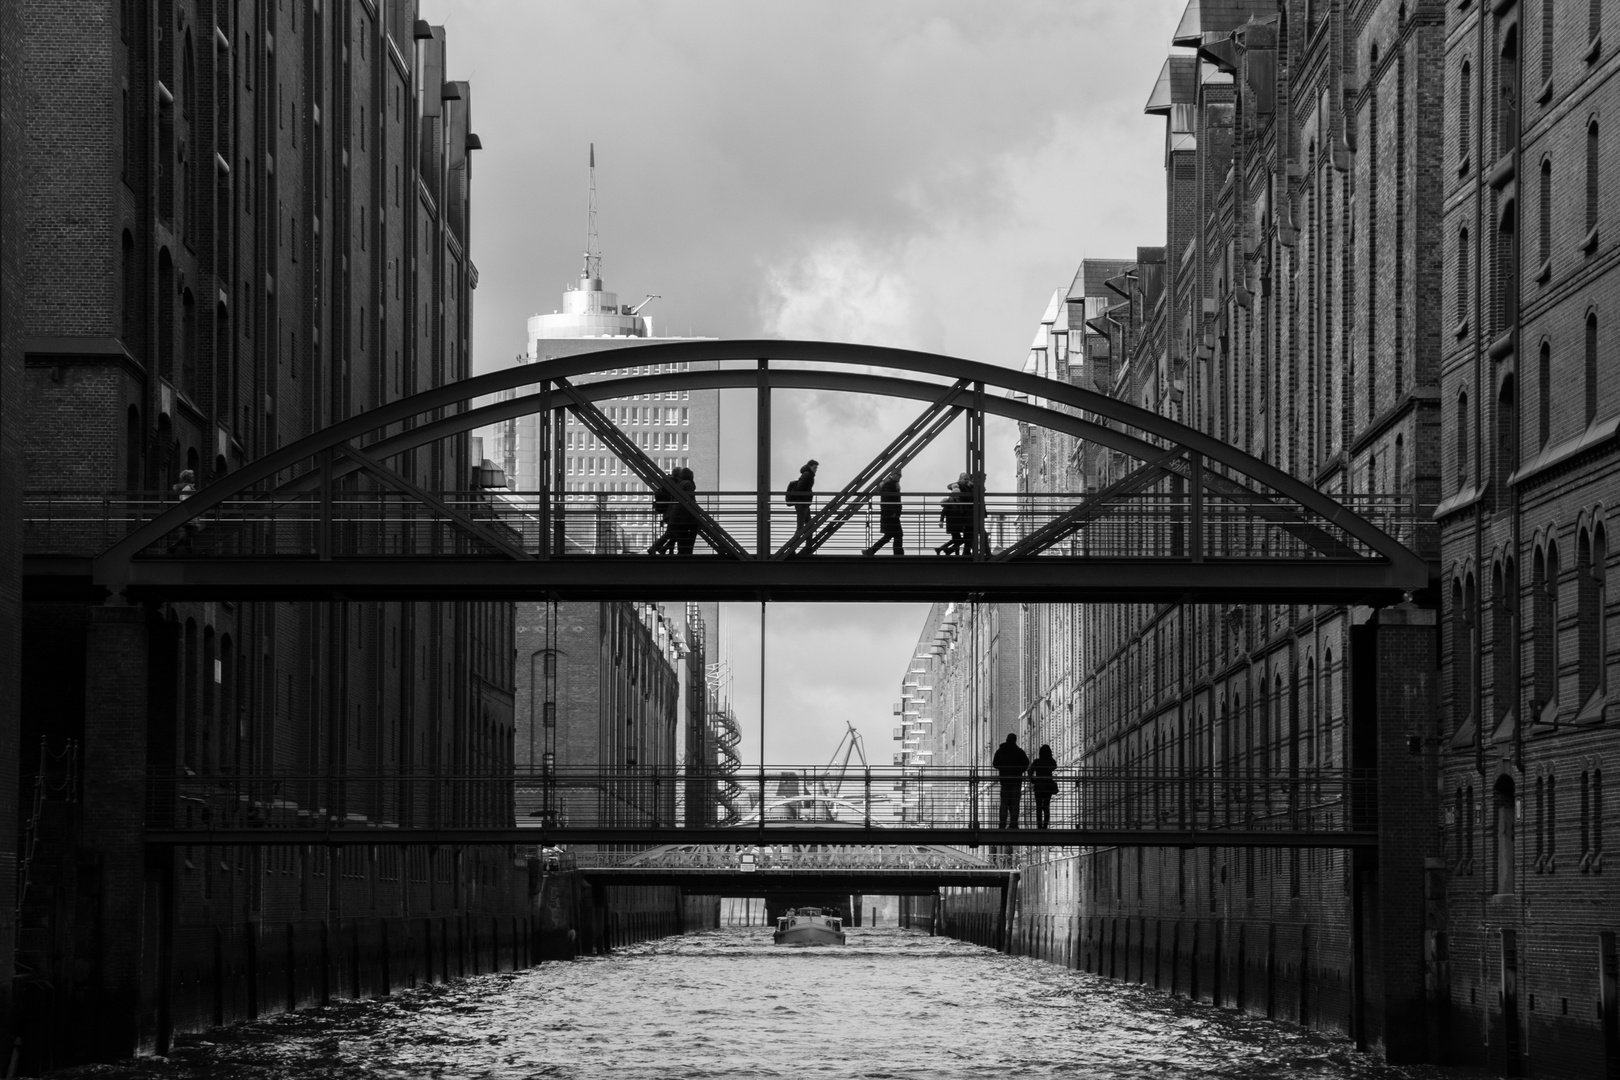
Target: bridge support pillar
x: 117, y: 689
x: 1394, y: 736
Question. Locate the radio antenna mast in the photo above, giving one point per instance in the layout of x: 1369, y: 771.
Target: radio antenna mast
x: 593, y: 247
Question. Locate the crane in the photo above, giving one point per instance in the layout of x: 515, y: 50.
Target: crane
x: 850, y: 744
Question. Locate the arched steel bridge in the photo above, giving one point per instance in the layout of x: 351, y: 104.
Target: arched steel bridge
x: 327, y: 516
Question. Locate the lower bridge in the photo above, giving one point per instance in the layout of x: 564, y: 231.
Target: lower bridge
x: 608, y: 808
x: 893, y: 869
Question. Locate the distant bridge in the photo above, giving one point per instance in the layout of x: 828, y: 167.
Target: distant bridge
x: 912, y: 806
x: 892, y: 869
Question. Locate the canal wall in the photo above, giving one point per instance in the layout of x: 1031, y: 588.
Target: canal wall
x: 1286, y: 968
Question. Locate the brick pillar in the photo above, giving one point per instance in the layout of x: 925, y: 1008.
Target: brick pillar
x: 1398, y: 702
x: 115, y: 718
x: 13, y: 224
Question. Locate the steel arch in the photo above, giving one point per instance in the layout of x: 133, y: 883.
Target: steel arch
x: 1165, y: 447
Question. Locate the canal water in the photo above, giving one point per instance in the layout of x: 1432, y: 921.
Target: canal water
x: 727, y: 1003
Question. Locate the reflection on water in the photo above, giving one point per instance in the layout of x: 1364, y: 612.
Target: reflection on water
x: 727, y: 1003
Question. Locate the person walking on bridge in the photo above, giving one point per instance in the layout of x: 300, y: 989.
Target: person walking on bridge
x: 1011, y: 762
x: 681, y: 518
x: 889, y: 516
x: 798, y: 496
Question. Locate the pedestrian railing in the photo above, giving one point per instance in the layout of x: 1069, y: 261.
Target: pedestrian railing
x: 877, y: 798
x: 380, y: 523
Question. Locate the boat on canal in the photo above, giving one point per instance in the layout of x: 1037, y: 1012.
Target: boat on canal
x: 808, y: 926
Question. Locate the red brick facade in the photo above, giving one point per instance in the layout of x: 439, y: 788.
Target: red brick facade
x: 246, y: 220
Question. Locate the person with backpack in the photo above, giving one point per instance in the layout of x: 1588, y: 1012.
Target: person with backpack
x: 798, y: 496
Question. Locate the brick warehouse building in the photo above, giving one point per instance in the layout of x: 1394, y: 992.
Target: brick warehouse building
x: 1347, y: 292
x: 1529, y: 305
x: 1292, y: 312
x: 248, y: 219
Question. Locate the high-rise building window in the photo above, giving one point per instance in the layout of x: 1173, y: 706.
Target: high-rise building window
x: 1463, y: 447
x: 1464, y: 259
x: 1547, y: 10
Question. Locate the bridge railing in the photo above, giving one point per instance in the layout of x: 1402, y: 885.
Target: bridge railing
x: 880, y: 798
x: 350, y: 523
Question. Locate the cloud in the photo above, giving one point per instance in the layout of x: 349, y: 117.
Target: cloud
x: 918, y: 173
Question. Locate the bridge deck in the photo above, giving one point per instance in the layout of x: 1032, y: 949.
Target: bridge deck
x: 823, y: 578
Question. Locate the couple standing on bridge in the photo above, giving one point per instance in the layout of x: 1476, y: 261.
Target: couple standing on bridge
x: 1012, y: 763
x: 956, y: 512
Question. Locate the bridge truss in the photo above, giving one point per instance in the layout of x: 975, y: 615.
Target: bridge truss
x: 335, y: 514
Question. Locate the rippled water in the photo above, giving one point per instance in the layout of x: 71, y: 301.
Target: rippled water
x: 727, y: 1003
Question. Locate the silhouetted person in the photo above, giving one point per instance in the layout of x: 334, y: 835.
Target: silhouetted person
x: 1043, y: 786
x: 685, y: 522
x: 664, y: 504
x: 889, y: 516
x: 973, y: 524
x: 183, y: 489
x: 798, y: 496
x: 956, y: 515
x: 1010, y: 762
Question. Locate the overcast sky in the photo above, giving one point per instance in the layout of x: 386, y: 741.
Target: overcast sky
x: 906, y: 173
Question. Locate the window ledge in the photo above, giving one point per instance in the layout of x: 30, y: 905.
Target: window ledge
x: 1461, y: 331
x: 1507, y: 728
x: 1464, y: 165
x: 1502, y: 347
x: 1594, y: 50
x: 1465, y: 498
x: 1597, y: 433
x: 1544, y: 95
x: 1502, y: 171
x: 1464, y: 739
x: 1544, y: 272
x: 1591, y: 241
x: 1592, y: 712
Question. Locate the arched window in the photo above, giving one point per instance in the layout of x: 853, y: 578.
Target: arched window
x: 188, y: 344
x: 134, y: 452
x: 1462, y: 440
x: 1504, y: 637
x: 1539, y: 862
x: 1544, y: 213
x: 1465, y: 110
x: 1592, y: 177
x: 1544, y: 636
x: 165, y: 316
x: 1465, y: 257
x: 1547, y: 7
x: 1588, y: 621
x: 1507, y: 98
x: 1503, y: 805
x: 1507, y: 439
x: 1544, y: 395
x: 1468, y: 827
x: 1462, y: 699
x: 130, y: 290
x: 1590, y: 363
